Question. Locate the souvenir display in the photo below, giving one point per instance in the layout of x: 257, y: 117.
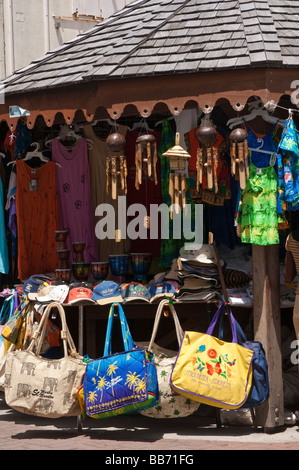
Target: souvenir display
x: 249, y: 179
x: 239, y: 156
x: 177, y: 176
x: 207, y: 157
x: 146, y: 154
x: 116, y: 165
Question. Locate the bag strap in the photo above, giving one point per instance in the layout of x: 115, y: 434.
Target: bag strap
x: 39, y: 335
x: 178, y: 328
x: 216, y: 318
x: 126, y: 335
x: 240, y: 333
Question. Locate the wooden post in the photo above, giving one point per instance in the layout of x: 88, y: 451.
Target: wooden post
x: 267, y: 330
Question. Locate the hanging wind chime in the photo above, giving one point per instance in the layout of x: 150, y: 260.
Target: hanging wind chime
x: 177, y: 176
x: 146, y: 153
x: 239, y: 156
x: 207, y: 157
x: 116, y: 165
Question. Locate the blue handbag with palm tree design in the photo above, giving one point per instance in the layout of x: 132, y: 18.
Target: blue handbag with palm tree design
x: 123, y: 382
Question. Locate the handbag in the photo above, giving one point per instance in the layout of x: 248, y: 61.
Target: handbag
x: 14, y: 326
x: 211, y: 371
x: 44, y: 387
x: 7, y: 310
x: 259, y: 391
x: 171, y: 404
x: 123, y: 382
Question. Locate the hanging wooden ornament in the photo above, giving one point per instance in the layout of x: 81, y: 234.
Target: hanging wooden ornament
x: 239, y: 155
x: 116, y: 164
x: 146, y: 153
x: 207, y: 157
x: 177, y: 176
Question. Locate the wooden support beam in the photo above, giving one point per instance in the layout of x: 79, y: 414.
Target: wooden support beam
x: 267, y: 330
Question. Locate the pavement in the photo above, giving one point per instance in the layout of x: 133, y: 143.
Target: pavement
x: 136, y: 435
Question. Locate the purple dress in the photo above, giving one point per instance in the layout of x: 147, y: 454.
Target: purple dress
x: 75, y: 208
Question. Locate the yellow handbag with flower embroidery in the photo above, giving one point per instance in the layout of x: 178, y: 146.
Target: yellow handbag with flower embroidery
x: 211, y: 371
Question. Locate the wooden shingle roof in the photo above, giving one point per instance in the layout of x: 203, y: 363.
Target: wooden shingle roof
x: 167, y: 37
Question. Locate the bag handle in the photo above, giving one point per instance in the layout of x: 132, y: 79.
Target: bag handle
x: 216, y: 318
x: 39, y: 334
x: 178, y: 328
x: 241, y: 338
x: 126, y: 335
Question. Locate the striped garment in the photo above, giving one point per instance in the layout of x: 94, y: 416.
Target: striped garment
x: 292, y: 245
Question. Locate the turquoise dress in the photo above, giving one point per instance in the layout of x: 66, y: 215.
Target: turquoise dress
x: 4, y: 262
x: 288, y: 167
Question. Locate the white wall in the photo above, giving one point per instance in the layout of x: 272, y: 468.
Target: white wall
x: 2, y: 50
x: 30, y: 28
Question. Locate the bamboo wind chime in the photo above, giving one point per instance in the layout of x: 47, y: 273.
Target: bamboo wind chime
x: 116, y: 165
x: 239, y: 156
x: 177, y: 176
x: 207, y: 157
x: 146, y: 152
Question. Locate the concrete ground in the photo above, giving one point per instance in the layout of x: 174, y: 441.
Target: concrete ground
x: 135, y: 433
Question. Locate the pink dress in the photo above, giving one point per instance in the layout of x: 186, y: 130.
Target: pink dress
x: 75, y: 208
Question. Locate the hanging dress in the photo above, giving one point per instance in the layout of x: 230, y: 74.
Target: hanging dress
x: 97, y: 164
x: 288, y: 167
x: 75, y: 208
x: 37, y: 219
x: 4, y: 262
x: 258, y: 206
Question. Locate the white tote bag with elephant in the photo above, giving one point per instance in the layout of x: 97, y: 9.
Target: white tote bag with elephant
x: 45, y: 387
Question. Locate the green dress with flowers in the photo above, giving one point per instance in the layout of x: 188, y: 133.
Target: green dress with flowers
x: 258, y: 209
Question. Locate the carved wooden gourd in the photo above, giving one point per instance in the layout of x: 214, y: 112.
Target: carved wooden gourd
x: 146, y: 152
x: 207, y: 157
x: 239, y: 155
x: 116, y: 164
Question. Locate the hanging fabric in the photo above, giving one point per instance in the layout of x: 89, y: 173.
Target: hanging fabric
x: 288, y: 166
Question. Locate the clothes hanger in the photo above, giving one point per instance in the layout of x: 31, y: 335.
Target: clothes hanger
x: 141, y: 125
x: 257, y: 109
x: 260, y: 150
x: 66, y: 132
x: 36, y: 153
x: 107, y: 120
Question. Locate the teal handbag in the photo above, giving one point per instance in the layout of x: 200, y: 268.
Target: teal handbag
x: 123, y: 382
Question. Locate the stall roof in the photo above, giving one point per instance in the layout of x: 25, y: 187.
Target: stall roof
x: 159, y: 38
x: 153, y: 37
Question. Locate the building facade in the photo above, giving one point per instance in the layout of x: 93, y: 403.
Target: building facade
x: 29, y: 29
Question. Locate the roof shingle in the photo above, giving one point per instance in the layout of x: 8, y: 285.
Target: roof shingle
x: 152, y: 37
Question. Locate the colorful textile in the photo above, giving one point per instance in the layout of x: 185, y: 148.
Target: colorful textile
x: 288, y: 167
x: 258, y: 211
x: 36, y: 207
x: 76, y: 212
x: 4, y: 263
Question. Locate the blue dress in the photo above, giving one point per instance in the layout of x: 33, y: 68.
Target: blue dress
x: 4, y: 263
x: 288, y: 167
